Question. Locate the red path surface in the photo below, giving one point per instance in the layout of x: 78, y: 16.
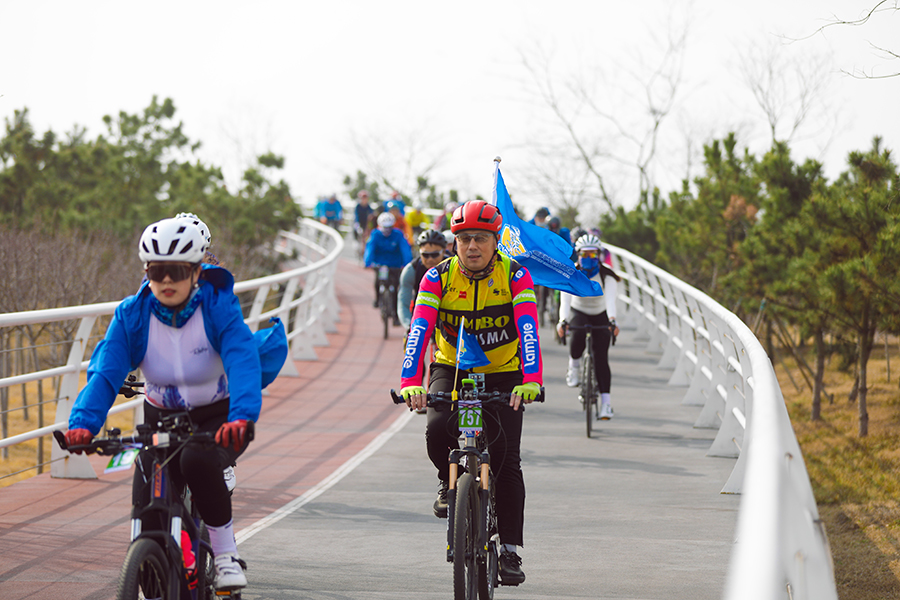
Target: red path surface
x: 67, y: 538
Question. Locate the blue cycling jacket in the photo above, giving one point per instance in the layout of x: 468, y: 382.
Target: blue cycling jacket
x: 390, y: 250
x: 125, y: 344
x: 331, y: 211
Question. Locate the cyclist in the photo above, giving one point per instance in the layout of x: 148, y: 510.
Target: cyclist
x: 540, y: 217
x: 185, y: 330
x: 442, y: 222
x: 362, y: 214
x: 398, y: 209
x: 431, y: 253
x: 495, y: 295
x: 388, y: 247
x: 576, y: 233
x: 555, y: 225
x: 329, y: 211
x: 450, y: 240
x: 417, y: 219
x: 591, y: 310
x: 605, y: 256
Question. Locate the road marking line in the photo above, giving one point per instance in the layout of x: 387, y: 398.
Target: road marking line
x: 317, y: 490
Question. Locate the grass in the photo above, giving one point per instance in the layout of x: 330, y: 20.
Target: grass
x: 23, y: 457
x: 856, y: 481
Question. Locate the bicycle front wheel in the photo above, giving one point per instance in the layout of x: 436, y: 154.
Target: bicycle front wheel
x: 386, y: 310
x: 465, y: 535
x: 488, y: 569
x: 587, y: 388
x: 145, y: 573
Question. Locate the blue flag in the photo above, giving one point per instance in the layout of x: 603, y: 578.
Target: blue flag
x: 545, y: 254
x: 468, y: 351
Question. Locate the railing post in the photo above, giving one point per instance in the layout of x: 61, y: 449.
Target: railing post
x: 259, y: 302
x: 290, y: 290
x: 73, y: 466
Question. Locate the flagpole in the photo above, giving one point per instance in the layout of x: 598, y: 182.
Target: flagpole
x: 496, y: 170
x: 462, y: 325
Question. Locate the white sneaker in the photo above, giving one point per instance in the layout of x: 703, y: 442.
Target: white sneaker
x: 606, y: 412
x: 230, y: 480
x: 572, y: 378
x: 229, y: 572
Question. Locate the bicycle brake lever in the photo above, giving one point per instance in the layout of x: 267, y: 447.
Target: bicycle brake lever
x: 60, y: 438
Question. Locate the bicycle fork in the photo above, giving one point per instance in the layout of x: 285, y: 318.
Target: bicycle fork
x: 475, y: 457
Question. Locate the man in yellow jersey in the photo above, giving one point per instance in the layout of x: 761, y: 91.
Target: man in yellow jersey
x: 495, y: 294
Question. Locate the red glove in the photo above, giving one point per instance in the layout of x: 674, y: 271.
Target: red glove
x: 235, y: 431
x: 78, y: 437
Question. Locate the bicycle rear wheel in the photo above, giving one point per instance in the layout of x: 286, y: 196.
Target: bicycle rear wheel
x: 386, y: 309
x: 587, y: 388
x: 145, y: 573
x: 465, y: 534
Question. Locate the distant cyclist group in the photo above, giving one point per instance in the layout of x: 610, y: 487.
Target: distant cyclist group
x: 451, y: 288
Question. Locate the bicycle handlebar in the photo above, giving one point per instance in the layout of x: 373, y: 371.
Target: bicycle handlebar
x: 114, y: 444
x: 129, y: 390
x: 447, y: 397
x: 173, y: 429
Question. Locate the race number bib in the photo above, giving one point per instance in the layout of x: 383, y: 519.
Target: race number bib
x: 470, y: 417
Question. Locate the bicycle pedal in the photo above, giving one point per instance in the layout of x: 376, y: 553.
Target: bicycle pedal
x: 228, y: 594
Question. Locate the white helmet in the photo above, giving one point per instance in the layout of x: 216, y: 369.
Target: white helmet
x: 449, y: 237
x: 386, y: 220
x: 587, y: 241
x: 191, y: 217
x: 172, y: 240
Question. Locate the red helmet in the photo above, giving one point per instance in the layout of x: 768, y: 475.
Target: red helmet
x: 477, y: 214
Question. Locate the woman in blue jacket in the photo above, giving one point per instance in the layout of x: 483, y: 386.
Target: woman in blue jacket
x: 185, y: 330
x: 388, y: 247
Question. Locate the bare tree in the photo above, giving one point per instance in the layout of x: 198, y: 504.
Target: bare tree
x: 566, y: 185
x: 601, y: 131
x: 397, y: 160
x: 878, y: 11
x: 244, y: 134
x: 792, y: 90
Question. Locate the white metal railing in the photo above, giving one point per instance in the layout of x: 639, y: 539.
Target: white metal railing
x: 313, y: 252
x: 781, y: 550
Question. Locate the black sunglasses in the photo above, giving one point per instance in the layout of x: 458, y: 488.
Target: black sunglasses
x: 430, y: 254
x: 176, y: 272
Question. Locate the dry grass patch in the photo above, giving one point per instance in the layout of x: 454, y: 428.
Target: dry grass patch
x: 22, y: 458
x: 856, y: 481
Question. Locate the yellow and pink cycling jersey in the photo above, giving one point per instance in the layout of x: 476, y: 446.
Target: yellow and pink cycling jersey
x: 500, y: 309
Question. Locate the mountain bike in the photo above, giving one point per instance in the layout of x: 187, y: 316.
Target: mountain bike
x: 155, y: 564
x: 385, y: 294
x: 473, y: 544
x: 589, y: 394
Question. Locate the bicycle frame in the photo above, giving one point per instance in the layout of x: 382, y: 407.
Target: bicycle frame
x: 479, y: 459
x: 171, y: 502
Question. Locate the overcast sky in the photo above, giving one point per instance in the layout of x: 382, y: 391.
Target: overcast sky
x: 304, y: 79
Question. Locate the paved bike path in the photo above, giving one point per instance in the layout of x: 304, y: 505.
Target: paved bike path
x: 67, y: 538
x: 633, y: 513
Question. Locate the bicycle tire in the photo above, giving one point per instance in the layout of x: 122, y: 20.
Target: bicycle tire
x: 206, y: 569
x: 386, y: 310
x: 145, y: 572
x: 587, y: 391
x: 489, y: 569
x: 465, y: 509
